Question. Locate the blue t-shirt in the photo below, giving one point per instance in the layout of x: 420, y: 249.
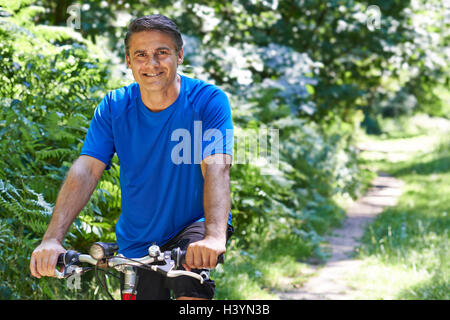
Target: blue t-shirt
x: 160, y: 155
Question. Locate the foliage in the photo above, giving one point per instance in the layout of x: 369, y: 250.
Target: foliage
x: 51, y: 79
x: 361, y: 66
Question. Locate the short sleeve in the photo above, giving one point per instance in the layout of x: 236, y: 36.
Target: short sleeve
x: 99, y: 141
x: 217, y: 125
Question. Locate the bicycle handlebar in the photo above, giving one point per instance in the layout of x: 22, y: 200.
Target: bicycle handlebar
x: 182, y: 256
x: 163, y: 262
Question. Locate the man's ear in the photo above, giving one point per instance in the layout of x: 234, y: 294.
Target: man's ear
x: 180, y: 56
x: 127, y: 60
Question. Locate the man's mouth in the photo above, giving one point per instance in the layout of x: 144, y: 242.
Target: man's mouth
x: 152, y: 75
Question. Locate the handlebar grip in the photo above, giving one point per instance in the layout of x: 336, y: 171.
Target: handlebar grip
x: 60, y: 261
x: 180, y: 256
x: 69, y: 257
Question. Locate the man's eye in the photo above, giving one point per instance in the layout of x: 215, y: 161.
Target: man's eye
x: 141, y: 55
x: 163, y: 52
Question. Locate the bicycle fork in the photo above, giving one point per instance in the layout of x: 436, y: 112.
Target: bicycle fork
x: 129, y: 284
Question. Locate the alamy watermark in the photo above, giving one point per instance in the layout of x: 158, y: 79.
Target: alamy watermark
x: 74, y: 282
x: 373, y: 13
x: 259, y: 146
x: 74, y: 19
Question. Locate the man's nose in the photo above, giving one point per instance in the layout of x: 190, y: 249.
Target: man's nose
x: 153, y: 60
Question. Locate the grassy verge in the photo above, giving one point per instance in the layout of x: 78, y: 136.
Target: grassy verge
x: 405, y: 250
x: 275, y: 266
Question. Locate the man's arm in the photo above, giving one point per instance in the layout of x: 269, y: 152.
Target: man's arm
x: 216, y: 203
x: 78, y: 187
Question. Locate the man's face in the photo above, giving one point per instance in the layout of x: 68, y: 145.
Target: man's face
x: 153, y: 60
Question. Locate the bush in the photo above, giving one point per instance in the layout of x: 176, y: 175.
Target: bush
x: 51, y: 79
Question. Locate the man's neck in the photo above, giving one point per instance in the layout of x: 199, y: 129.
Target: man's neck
x: 159, y: 100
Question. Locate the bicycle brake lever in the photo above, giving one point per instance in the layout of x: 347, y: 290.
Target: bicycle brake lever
x: 59, y: 275
x: 68, y: 271
x: 165, y: 268
x: 178, y: 273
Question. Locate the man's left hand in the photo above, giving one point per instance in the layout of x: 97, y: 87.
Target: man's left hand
x: 203, y: 254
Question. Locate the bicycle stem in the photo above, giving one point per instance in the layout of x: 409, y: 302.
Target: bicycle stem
x: 129, y: 285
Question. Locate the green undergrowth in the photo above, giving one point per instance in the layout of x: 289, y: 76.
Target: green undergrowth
x: 275, y: 266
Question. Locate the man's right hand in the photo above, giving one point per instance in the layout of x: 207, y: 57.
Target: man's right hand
x: 44, y: 258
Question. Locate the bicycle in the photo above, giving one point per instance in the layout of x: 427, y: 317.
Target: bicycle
x: 103, y: 256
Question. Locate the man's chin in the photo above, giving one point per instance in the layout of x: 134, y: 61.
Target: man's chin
x: 151, y: 86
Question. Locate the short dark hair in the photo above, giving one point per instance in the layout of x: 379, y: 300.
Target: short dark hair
x: 154, y: 22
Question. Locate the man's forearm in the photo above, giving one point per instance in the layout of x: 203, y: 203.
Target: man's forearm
x: 73, y: 196
x: 216, y: 202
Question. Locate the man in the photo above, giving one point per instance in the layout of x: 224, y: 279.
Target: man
x: 174, y: 193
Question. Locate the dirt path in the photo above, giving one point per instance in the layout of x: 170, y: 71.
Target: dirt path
x: 329, y: 282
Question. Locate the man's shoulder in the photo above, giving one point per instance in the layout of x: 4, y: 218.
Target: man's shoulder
x: 122, y: 98
x: 201, y: 90
x: 124, y: 94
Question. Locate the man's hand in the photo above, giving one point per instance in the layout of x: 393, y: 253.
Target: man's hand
x: 203, y: 254
x: 44, y: 258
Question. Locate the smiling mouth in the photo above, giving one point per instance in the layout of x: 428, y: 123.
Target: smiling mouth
x: 152, y: 75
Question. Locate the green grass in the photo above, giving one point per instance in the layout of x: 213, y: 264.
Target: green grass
x: 405, y: 250
x: 275, y: 267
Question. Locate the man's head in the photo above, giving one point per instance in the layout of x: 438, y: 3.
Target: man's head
x: 154, y: 22
x: 154, y: 49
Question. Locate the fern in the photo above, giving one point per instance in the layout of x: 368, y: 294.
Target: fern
x: 26, y: 205
x: 52, y: 153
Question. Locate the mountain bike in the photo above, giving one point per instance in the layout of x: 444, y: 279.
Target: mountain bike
x: 103, y: 256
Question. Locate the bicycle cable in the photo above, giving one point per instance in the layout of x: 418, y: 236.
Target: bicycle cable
x: 104, y: 285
